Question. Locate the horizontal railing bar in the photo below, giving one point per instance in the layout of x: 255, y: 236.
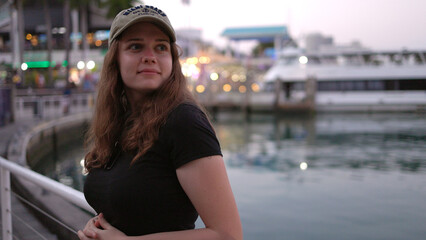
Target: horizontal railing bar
x: 44, y: 213
x: 28, y: 226
x: 68, y: 193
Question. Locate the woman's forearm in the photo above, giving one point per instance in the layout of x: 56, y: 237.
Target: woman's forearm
x: 194, y: 234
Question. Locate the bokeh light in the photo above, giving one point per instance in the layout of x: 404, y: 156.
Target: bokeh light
x: 204, y: 60
x: 200, y: 88
x: 90, y: 65
x: 227, y: 88
x: 24, y: 66
x: 255, y: 87
x: 235, y: 77
x: 214, y: 76
x: 303, y: 166
x: 303, y: 60
x: 80, y: 65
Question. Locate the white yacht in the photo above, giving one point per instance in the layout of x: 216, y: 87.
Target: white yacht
x: 353, y: 79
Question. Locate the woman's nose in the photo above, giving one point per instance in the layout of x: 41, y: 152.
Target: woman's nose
x: 148, y: 57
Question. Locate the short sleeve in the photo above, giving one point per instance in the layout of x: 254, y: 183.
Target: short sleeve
x: 189, y: 135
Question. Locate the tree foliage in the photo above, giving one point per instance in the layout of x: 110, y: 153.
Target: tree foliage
x: 115, y: 6
x: 260, y: 48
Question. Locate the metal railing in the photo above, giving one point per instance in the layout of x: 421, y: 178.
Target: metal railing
x: 52, y: 106
x: 7, y: 167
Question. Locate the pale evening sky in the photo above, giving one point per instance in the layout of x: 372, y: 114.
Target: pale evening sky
x: 377, y: 24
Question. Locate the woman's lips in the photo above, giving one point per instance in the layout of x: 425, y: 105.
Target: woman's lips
x: 149, y: 71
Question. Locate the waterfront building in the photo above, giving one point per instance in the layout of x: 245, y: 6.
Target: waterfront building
x: 88, y: 34
x: 35, y: 32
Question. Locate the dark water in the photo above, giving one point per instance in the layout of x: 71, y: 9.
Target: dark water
x: 334, y: 176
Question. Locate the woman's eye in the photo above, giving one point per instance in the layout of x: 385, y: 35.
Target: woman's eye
x: 135, y: 47
x: 162, y: 47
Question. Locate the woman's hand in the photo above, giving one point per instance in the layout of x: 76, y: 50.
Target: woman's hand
x: 99, y: 228
x: 87, y: 232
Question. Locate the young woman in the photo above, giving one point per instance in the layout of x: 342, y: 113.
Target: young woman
x: 155, y: 162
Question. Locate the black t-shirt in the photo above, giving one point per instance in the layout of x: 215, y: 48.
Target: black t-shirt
x: 146, y: 197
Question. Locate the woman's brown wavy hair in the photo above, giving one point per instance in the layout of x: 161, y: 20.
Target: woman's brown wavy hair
x: 135, y: 131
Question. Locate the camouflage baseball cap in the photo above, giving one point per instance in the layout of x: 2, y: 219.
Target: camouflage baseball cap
x: 142, y: 13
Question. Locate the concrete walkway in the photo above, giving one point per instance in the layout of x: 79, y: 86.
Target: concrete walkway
x: 23, y: 221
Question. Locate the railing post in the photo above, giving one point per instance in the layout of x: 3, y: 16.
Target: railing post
x: 41, y: 103
x: 21, y: 107
x: 6, y: 207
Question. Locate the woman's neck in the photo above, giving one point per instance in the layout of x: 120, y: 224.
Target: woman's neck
x: 136, y: 100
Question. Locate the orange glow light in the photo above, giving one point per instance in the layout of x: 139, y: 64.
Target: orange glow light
x: 98, y: 43
x: 227, y: 88
x: 255, y: 87
x: 200, y: 89
x: 204, y: 60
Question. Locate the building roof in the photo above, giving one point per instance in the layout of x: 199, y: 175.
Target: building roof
x: 263, y: 34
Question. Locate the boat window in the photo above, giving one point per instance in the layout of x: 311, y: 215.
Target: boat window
x: 347, y: 86
x: 328, y: 86
x: 314, y: 61
x: 289, y: 60
x: 359, y: 85
x: 418, y: 84
x: 375, y: 85
x: 299, y: 86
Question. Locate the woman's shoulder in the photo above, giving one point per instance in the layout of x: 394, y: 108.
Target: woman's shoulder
x: 186, y: 114
x: 186, y: 109
x: 185, y: 106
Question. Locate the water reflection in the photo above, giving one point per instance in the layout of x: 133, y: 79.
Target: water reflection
x: 333, y: 176
x: 65, y: 167
x: 356, y: 141
x: 329, y: 176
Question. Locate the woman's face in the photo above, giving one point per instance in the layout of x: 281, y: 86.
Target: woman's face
x: 144, y: 58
